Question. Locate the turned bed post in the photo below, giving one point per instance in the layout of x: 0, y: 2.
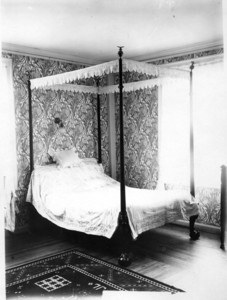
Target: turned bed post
x: 192, y: 179
x: 30, y: 127
x: 123, y: 224
x: 194, y: 234
x: 122, y: 171
x: 99, y: 125
x: 223, y: 205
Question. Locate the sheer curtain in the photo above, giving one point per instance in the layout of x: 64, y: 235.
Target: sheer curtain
x: 8, y: 162
x: 210, y: 124
x: 210, y: 139
x: 210, y: 127
x: 174, y: 122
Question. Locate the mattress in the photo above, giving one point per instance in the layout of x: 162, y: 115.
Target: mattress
x: 83, y: 198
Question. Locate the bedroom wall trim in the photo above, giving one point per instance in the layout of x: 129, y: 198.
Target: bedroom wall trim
x: 44, y: 54
x: 183, y: 51
x: 213, y: 46
x: 203, y: 60
x: 202, y: 227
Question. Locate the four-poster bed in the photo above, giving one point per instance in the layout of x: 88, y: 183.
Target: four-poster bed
x: 163, y: 206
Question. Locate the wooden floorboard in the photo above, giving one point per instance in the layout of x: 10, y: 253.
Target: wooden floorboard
x: 166, y: 254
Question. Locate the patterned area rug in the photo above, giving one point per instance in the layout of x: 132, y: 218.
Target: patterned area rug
x: 73, y: 274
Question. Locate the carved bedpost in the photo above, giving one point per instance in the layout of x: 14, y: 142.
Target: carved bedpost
x: 223, y: 205
x: 30, y: 125
x: 124, y: 230
x: 99, y: 125
x: 194, y: 234
x: 192, y: 179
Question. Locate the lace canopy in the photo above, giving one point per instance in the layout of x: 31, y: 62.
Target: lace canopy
x: 65, y: 81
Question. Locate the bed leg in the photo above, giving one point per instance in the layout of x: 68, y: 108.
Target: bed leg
x: 194, y: 234
x: 124, y: 239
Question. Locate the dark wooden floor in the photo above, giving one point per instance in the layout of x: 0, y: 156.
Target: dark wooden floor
x: 166, y: 254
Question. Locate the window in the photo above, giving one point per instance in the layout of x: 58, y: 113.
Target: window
x: 174, y: 156
x: 209, y: 124
x: 210, y: 141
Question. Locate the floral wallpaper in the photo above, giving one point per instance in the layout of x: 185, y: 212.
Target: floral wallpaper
x: 140, y: 135
x: 209, y: 203
x: 77, y: 111
x: 189, y: 56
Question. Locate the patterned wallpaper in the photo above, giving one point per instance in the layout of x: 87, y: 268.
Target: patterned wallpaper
x: 209, y: 203
x: 189, y: 56
x: 141, y: 135
x: 77, y: 111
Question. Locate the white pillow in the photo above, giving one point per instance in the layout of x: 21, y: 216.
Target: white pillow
x: 67, y: 158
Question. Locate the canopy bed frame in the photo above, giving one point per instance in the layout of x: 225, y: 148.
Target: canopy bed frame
x: 159, y: 74
x: 223, y: 206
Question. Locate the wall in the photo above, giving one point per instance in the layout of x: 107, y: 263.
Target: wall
x: 141, y: 135
x: 78, y: 112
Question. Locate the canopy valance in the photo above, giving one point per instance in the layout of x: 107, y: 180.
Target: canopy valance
x: 110, y: 89
x: 66, y: 81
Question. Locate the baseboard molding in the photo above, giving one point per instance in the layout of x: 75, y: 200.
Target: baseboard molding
x: 200, y: 226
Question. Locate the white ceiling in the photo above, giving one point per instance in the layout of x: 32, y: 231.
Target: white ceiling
x: 89, y: 31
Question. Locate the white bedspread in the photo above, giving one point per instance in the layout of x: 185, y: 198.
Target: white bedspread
x: 84, y: 199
